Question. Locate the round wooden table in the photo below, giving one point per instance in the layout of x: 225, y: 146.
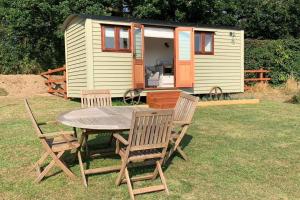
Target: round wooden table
x: 112, y: 119
x: 105, y: 118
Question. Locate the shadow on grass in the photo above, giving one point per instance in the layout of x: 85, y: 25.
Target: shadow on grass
x: 101, y: 142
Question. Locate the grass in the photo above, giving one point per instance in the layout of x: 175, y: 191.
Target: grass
x: 236, y: 152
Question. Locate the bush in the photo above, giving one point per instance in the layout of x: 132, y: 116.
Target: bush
x: 282, y: 57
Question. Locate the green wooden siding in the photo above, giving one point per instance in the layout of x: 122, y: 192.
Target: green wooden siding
x: 224, y: 68
x: 111, y: 70
x: 90, y: 68
x: 75, y: 45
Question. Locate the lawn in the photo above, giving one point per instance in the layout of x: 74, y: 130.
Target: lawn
x: 236, y: 152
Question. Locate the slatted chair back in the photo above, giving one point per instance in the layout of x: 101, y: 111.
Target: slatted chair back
x: 36, y: 127
x: 184, y: 111
x: 185, y: 107
x: 148, y: 140
x: 150, y: 129
x: 54, y: 145
x: 33, y: 120
x: 95, y: 98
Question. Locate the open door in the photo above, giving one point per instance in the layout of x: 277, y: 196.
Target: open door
x: 184, y: 57
x: 137, y: 31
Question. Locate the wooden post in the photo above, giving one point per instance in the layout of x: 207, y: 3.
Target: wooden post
x: 65, y: 86
x: 261, y: 75
x: 49, y: 78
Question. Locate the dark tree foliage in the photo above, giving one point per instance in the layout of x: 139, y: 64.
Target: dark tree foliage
x: 31, y: 39
x: 281, y: 57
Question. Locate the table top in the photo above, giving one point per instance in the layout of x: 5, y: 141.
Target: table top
x: 105, y: 118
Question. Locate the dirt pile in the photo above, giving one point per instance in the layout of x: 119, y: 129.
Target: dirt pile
x: 23, y: 85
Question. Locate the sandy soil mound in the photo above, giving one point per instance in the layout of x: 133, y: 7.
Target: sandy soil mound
x: 23, y: 85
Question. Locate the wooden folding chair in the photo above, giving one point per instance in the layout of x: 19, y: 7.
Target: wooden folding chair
x: 147, y: 142
x: 94, y: 98
x: 55, y: 145
x: 184, y: 112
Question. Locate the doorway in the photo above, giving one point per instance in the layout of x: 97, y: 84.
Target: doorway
x: 159, y: 57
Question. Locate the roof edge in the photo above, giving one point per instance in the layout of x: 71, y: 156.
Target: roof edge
x: 145, y: 22
x: 68, y: 20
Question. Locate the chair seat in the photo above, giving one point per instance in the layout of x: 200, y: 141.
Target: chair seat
x: 62, y: 143
x: 141, y: 154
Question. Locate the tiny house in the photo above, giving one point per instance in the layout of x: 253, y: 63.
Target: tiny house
x: 115, y: 53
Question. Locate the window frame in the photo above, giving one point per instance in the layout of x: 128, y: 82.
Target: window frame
x: 116, y: 39
x: 202, y: 43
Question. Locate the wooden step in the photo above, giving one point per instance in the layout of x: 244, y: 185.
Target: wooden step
x: 164, y: 99
x: 165, y: 105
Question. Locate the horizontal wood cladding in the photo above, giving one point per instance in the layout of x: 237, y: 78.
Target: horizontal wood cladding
x: 75, y: 41
x: 111, y: 70
x: 222, y: 69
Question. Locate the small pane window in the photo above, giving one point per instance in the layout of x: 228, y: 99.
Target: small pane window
x: 116, y: 38
x: 208, y: 42
x: 197, y: 42
x: 204, y: 43
x: 124, y: 38
x: 184, y: 45
x: 109, y: 38
x: 138, y: 43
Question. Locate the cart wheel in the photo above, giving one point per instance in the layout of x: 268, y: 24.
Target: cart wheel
x: 132, y: 96
x: 216, y: 93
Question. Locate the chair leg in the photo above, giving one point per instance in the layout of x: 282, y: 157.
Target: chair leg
x: 60, y: 164
x: 81, y: 140
x: 81, y: 169
x: 86, y: 137
x: 162, y: 177
x: 170, y: 153
x: 111, y: 139
x: 129, y: 184
x: 75, y: 132
x: 47, y: 169
x: 121, y: 173
x: 40, y: 161
x: 180, y: 151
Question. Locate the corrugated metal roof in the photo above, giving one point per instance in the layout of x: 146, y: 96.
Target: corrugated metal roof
x: 145, y: 22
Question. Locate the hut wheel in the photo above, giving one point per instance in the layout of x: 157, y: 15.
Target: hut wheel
x: 216, y: 93
x: 132, y: 96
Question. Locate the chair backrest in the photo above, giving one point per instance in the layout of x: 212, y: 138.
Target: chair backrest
x: 150, y: 129
x: 33, y: 120
x: 185, y: 107
x: 95, y: 98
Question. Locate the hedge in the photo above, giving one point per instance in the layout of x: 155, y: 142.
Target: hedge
x: 281, y: 57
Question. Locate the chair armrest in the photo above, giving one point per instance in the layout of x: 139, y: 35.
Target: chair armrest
x: 121, y: 139
x: 56, y: 134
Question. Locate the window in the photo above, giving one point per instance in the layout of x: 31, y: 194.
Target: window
x: 116, y: 38
x: 204, y: 43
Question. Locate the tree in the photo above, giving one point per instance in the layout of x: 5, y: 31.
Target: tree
x: 32, y: 41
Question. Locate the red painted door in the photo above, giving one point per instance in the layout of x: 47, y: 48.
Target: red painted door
x: 184, y: 57
x: 137, y: 31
